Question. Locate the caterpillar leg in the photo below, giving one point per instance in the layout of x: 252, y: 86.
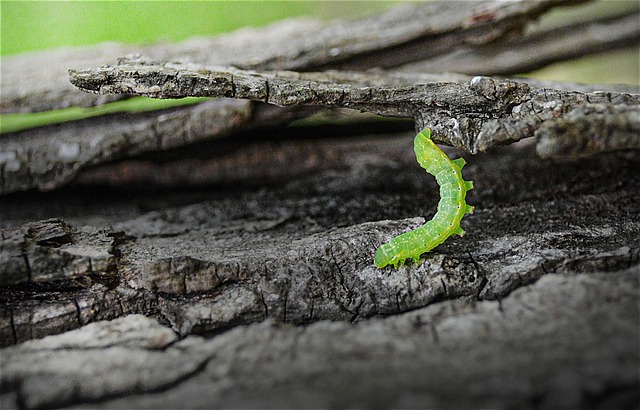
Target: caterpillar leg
x: 460, y: 162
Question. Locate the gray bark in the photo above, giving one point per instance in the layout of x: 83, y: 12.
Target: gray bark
x: 38, y: 81
x: 590, y: 129
x: 539, y: 47
x: 557, y: 246
x: 470, y: 113
x: 206, y: 257
x: 50, y: 157
x: 474, y: 114
x: 450, y: 355
x: 46, y: 158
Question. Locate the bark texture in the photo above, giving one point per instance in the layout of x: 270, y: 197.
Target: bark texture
x: 536, y: 305
x: 474, y: 114
x: 51, y: 157
x: 404, y: 34
x: 447, y: 355
x: 206, y: 257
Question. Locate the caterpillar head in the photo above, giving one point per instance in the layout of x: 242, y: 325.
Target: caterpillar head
x: 384, y: 256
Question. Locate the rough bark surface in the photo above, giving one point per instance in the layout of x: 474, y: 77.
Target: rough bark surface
x: 404, y: 34
x: 512, y: 353
x: 474, y: 114
x: 206, y: 257
x: 561, y: 247
x: 590, y: 129
x: 50, y: 157
x: 538, y: 47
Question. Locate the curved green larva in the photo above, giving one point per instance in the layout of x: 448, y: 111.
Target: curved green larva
x: 451, y: 208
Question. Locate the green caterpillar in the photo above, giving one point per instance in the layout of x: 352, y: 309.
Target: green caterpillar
x: 451, y: 208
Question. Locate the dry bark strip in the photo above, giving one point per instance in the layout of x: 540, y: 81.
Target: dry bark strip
x: 257, y: 158
x: 450, y: 355
x: 46, y: 158
x: 590, y: 129
x: 50, y: 157
x: 474, y: 114
x: 455, y: 106
x: 406, y: 33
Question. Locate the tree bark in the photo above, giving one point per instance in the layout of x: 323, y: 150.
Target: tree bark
x: 50, y: 157
x: 474, y: 114
x: 301, y: 253
x: 206, y: 256
x: 38, y: 81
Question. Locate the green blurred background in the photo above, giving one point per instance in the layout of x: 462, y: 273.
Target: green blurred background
x: 37, y: 25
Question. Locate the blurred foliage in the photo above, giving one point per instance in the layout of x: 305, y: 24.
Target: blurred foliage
x: 613, y: 67
x: 37, y: 25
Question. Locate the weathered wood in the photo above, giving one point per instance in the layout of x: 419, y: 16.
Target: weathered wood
x: 257, y: 288
x: 538, y: 48
x: 240, y: 258
x: 406, y: 33
x: 565, y: 341
x: 50, y: 157
x: 46, y: 158
x: 50, y: 250
x: 590, y: 129
x: 260, y: 157
x: 474, y: 114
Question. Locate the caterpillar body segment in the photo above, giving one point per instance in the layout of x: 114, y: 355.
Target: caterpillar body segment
x: 451, y: 208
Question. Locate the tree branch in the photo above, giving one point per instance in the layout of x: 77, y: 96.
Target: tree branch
x: 474, y: 114
x: 38, y: 81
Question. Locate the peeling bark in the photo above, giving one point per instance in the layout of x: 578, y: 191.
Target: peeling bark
x: 474, y: 114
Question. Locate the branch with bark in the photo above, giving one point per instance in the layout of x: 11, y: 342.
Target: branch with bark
x: 50, y: 157
x: 474, y: 114
x: 38, y: 81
